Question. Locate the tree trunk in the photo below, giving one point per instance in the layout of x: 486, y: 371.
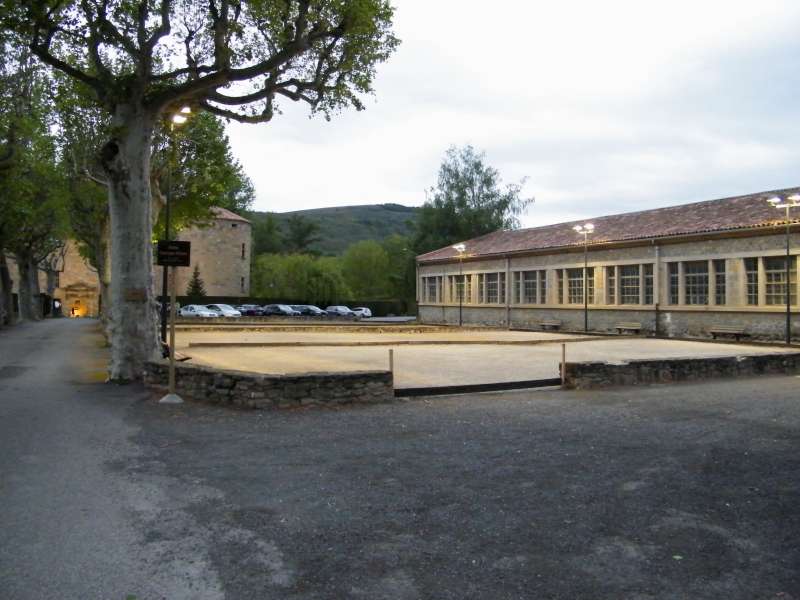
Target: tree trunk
x: 6, y: 300
x: 30, y: 308
x: 132, y: 327
x: 103, y: 266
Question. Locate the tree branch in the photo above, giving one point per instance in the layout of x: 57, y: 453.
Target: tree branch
x: 229, y: 114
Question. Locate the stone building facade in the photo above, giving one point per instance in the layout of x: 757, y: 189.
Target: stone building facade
x: 221, y: 250
x: 676, y: 271
x: 222, y: 253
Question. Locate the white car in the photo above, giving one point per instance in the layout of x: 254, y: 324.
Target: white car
x: 341, y: 311
x: 196, y: 310
x: 363, y: 312
x: 224, y: 310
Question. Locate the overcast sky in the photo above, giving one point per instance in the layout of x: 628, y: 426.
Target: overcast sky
x: 606, y: 107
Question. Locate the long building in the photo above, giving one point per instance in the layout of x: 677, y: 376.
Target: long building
x: 676, y: 271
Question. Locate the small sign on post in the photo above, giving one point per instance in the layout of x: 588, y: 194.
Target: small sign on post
x: 173, y: 254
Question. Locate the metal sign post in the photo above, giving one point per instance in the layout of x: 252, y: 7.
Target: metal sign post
x: 173, y: 254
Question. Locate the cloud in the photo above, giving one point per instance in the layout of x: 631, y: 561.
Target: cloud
x: 606, y: 107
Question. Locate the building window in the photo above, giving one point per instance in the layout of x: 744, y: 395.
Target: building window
x: 751, y: 270
x: 432, y: 290
x: 719, y: 283
x: 629, y: 284
x: 234, y: 225
x: 674, y: 283
x: 560, y: 285
x: 243, y: 251
x: 695, y: 275
x: 242, y: 284
x: 575, y: 286
x: 460, y: 288
x: 530, y: 287
x: 648, y: 283
x: 775, y: 276
x: 492, y: 288
x: 611, y: 285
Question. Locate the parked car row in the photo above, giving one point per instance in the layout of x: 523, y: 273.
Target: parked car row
x: 254, y: 310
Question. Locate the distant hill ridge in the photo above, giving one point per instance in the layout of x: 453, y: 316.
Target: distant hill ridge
x: 341, y: 226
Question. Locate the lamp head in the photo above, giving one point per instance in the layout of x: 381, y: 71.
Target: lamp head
x: 589, y: 227
x: 460, y: 248
x: 774, y: 201
x: 182, y: 116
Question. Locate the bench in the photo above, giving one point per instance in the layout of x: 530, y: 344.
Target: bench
x: 736, y: 332
x: 628, y: 326
x: 547, y: 323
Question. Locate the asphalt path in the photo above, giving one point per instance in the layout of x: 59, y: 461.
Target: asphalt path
x: 682, y: 492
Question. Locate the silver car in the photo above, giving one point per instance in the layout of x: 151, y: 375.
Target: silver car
x: 196, y: 310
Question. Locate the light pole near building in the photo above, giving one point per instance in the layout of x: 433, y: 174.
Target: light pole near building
x: 460, y: 248
x: 788, y: 203
x: 177, y: 119
x: 585, y: 230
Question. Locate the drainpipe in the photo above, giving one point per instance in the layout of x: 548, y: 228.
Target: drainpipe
x: 508, y: 294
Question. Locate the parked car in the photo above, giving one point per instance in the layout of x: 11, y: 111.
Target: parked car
x: 363, y: 312
x: 309, y: 309
x: 224, y: 310
x: 196, y: 310
x: 341, y: 311
x: 250, y: 310
x: 280, y: 309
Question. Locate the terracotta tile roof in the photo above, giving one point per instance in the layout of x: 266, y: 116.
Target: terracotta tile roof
x: 739, y: 212
x: 224, y: 213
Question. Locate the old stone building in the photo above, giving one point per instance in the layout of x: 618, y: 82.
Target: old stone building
x: 677, y: 271
x: 221, y: 251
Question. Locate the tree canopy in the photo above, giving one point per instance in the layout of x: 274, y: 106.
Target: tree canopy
x: 467, y: 201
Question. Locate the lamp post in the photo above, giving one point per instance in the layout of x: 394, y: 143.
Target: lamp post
x: 789, y: 202
x: 177, y: 119
x: 585, y: 229
x: 460, y: 248
x: 172, y: 396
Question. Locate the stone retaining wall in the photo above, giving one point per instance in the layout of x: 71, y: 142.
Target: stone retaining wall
x: 257, y: 390
x: 587, y: 375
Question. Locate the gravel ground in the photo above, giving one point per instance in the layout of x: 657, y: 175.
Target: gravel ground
x: 665, y: 492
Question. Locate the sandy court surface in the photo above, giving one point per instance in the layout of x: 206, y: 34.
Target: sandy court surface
x: 338, y: 335
x: 437, y: 365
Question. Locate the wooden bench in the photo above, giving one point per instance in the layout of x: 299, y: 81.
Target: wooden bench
x: 628, y: 326
x: 548, y: 323
x: 736, y: 332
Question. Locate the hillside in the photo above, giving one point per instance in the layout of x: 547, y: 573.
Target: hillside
x: 341, y: 226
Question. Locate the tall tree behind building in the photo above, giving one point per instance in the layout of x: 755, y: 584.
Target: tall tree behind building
x: 467, y: 201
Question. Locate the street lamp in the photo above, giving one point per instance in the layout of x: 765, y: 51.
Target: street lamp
x: 789, y: 202
x: 171, y: 397
x: 177, y: 119
x: 460, y: 248
x: 585, y: 229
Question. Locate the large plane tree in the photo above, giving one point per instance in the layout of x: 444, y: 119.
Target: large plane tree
x: 142, y: 59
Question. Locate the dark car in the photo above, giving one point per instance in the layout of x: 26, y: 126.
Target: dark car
x: 309, y: 309
x: 280, y: 309
x: 251, y: 310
